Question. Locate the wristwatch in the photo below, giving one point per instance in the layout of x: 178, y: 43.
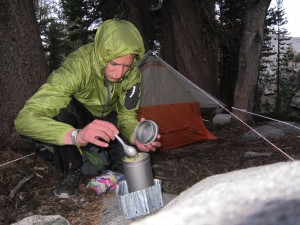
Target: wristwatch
x: 74, y: 136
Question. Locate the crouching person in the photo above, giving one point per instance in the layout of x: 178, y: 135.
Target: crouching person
x: 90, y: 98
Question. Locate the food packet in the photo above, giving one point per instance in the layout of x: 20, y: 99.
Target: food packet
x: 108, y: 180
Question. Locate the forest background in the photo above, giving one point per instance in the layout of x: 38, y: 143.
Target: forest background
x: 232, y: 49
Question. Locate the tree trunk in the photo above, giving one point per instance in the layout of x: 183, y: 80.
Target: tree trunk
x: 245, y: 90
x: 22, y: 64
x: 195, y: 44
x: 232, y: 15
x: 167, y: 43
x: 138, y: 14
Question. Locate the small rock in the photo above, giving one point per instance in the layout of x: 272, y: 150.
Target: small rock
x: 255, y: 154
x: 222, y: 119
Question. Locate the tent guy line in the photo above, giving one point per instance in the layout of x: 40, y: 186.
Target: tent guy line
x: 280, y: 121
x: 280, y: 150
x: 272, y: 144
x: 23, y: 157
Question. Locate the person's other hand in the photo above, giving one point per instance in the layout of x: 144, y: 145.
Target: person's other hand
x: 151, y: 147
x: 98, y: 132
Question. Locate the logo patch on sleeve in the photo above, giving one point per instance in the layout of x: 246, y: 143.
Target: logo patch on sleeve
x: 132, y: 97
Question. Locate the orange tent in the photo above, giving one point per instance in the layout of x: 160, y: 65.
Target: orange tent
x: 173, y: 102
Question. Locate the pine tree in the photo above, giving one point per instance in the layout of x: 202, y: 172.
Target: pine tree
x: 84, y: 16
x: 282, y: 38
x: 268, y: 48
x: 265, y: 103
x: 58, y: 45
x: 53, y: 32
x: 274, y: 59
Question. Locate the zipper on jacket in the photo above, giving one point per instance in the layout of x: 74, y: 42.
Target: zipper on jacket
x: 106, y: 84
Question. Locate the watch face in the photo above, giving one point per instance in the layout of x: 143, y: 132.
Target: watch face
x: 74, y: 133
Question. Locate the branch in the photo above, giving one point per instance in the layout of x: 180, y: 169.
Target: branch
x: 20, y: 184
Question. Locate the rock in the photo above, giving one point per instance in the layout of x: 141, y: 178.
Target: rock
x: 222, y: 119
x: 267, y: 131
x: 260, y: 195
x: 257, y: 154
x: 295, y: 102
x: 43, y: 220
x: 293, y: 128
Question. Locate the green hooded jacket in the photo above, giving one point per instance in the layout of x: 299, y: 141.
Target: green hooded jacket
x: 82, y: 76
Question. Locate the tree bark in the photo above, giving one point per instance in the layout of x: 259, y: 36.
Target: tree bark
x: 23, y: 66
x: 167, y: 43
x: 249, y: 57
x: 138, y: 14
x: 196, y: 46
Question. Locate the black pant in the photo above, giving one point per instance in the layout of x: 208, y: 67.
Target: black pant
x: 68, y: 157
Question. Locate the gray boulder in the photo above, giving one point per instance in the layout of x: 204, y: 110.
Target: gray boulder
x: 293, y: 128
x: 260, y: 195
x: 267, y: 131
x: 43, y: 220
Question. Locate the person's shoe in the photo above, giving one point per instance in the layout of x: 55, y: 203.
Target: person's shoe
x: 68, y: 185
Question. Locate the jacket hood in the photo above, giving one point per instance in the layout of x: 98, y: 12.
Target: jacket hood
x: 116, y: 38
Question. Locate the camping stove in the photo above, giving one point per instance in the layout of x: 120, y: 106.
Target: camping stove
x: 141, y: 202
x: 140, y: 194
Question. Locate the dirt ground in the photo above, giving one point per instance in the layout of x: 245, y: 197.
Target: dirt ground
x: 178, y: 170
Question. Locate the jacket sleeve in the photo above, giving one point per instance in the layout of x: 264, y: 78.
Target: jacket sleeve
x: 128, y: 106
x: 35, y: 119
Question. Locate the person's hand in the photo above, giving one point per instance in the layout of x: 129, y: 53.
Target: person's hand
x: 151, y: 147
x: 98, y: 132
